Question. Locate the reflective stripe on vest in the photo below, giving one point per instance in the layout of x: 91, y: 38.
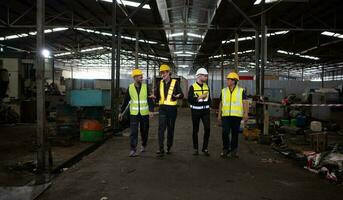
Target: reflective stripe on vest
x: 200, y: 107
x: 138, y: 103
x: 232, y: 102
x: 168, y: 100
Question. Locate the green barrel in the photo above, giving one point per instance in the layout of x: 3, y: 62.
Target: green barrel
x: 91, y: 136
x: 293, y: 122
x: 284, y: 122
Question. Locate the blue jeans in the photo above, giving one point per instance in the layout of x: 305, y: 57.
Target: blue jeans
x: 230, y: 125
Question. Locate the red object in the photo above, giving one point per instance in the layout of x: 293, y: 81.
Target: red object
x: 246, y: 78
x: 91, y: 125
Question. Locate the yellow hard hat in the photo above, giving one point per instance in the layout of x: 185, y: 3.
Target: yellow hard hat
x: 136, y: 72
x: 233, y: 75
x: 164, y: 67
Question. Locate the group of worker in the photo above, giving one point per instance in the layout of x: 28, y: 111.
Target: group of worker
x: 232, y: 109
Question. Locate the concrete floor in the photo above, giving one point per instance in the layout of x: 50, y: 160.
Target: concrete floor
x: 109, y: 172
x: 17, y: 146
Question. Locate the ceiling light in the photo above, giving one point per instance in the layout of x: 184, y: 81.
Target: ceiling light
x: 45, y: 53
x: 253, y: 37
x: 332, y: 34
x: 184, y: 52
x: 297, y: 54
x: 110, y: 34
x: 63, y: 54
x: 266, y: 1
x: 128, y: 3
x: 183, y: 55
x: 190, y: 52
x: 22, y: 35
x: 176, y: 34
x: 183, y: 66
x: 195, y: 35
x: 92, y: 49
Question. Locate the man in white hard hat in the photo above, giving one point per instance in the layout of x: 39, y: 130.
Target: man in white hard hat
x: 199, y: 100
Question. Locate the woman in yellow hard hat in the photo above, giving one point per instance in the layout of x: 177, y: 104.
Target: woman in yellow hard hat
x: 232, y: 109
x: 141, y: 107
x: 167, y: 92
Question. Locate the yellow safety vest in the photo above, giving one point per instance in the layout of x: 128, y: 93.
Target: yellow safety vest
x: 168, y: 100
x: 198, y: 91
x: 139, y: 103
x: 232, y: 102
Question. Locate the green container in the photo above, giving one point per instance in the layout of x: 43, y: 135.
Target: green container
x: 91, y: 136
x: 285, y: 122
x: 293, y: 122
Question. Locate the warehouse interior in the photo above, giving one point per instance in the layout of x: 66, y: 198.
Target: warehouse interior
x: 66, y: 66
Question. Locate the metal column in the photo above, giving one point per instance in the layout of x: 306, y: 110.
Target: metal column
x: 222, y: 69
x: 41, y: 136
x: 263, y: 47
x: 323, y: 74
x: 113, y: 60
x: 116, y: 102
x: 136, y: 50
x: 236, y: 52
x: 147, y: 70
x: 302, y: 73
x: 257, y: 62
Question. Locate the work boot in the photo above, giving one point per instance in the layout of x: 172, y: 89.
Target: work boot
x: 132, y: 153
x: 206, y: 153
x: 160, y: 152
x: 224, y: 153
x: 142, y: 149
x: 195, y: 152
x: 168, y: 150
x: 234, y: 154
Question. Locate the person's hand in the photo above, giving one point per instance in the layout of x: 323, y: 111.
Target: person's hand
x: 120, y: 117
x: 203, y: 96
x: 246, y: 118
x: 152, y: 96
x: 177, y: 96
x: 219, y: 117
x: 151, y: 114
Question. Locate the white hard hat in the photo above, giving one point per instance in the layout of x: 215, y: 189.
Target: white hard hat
x: 201, y: 71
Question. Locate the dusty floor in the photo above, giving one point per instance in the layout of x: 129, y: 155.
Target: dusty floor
x: 17, y: 146
x: 109, y: 172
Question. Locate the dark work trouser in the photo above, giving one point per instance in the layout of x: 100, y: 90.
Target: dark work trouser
x: 204, y: 116
x: 166, y: 120
x: 135, y: 122
x: 230, y: 125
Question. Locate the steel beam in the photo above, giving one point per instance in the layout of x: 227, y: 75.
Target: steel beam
x: 246, y: 17
x: 22, y: 15
x: 180, y: 27
x: 134, y: 12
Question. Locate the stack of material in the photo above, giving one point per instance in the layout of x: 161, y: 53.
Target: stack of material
x: 91, y: 126
x: 66, y: 121
x: 250, y: 131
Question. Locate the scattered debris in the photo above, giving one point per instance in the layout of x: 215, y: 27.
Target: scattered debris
x: 270, y: 160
